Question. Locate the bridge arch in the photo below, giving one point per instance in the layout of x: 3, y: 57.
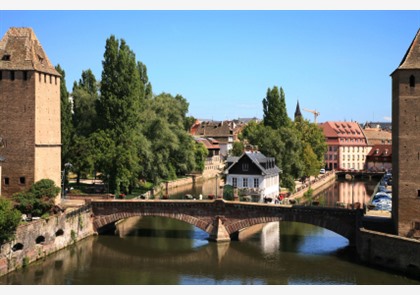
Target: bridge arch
x: 220, y: 219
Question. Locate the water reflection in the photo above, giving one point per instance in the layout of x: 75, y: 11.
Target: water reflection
x: 347, y: 192
x: 162, y: 251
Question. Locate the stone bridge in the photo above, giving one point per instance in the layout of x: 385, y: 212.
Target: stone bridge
x: 223, y: 220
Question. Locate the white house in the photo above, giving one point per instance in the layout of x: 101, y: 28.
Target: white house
x: 255, y: 175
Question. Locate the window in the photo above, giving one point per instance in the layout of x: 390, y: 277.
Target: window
x: 245, y: 182
x: 22, y: 180
x: 6, y: 57
x: 245, y: 167
x: 412, y: 81
x: 256, y: 182
x: 12, y: 75
x: 6, y: 181
x: 25, y: 75
x: 1, y: 75
x: 234, y: 182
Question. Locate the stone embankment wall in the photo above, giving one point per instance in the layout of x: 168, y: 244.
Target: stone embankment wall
x: 38, y: 238
x: 392, y: 252
x: 317, y: 184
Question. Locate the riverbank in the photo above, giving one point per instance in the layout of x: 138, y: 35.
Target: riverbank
x: 317, y: 184
x: 37, y: 239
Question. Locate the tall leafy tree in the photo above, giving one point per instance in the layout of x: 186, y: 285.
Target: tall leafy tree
x: 119, y: 111
x: 66, y: 117
x: 146, y: 86
x: 274, y: 109
x: 85, y: 97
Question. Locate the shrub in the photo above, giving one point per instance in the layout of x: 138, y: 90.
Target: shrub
x: 39, y: 199
x: 9, y: 220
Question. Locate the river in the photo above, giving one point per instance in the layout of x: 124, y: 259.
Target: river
x: 161, y: 251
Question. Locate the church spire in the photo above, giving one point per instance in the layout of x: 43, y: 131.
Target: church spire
x: 297, y: 112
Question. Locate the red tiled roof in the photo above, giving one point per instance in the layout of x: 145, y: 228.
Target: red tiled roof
x: 381, y: 150
x: 336, y: 130
x: 209, y: 143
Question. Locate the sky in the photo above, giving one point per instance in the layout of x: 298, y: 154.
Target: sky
x: 222, y: 61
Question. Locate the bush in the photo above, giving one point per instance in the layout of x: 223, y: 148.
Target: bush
x: 39, y: 199
x: 9, y: 220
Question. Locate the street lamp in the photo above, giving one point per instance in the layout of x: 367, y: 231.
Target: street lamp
x: 217, y: 176
x: 1, y: 161
x: 66, y: 166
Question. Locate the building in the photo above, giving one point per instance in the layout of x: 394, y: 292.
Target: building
x: 213, y: 161
x: 29, y: 113
x: 406, y: 142
x: 225, y: 132
x: 255, y: 175
x: 346, y: 146
x: 377, y: 136
x: 379, y: 158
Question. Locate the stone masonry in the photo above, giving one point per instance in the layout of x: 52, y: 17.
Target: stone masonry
x: 29, y: 113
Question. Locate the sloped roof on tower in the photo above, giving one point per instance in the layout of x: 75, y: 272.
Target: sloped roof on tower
x: 21, y: 50
x: 411, y: 58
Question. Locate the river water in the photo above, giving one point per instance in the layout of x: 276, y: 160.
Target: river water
x: 161, y: 251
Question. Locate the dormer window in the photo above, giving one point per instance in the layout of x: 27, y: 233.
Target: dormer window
x: 6, y: 57
x: 245, y: 167
x: 412, y: 81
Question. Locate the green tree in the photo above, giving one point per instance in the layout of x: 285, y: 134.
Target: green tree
x: 85, y: 97
x: 119, y: 109
x: 274, y: 109
x: 66, y: 118
x: 311, y: 135
x: 200, y: 155
x: 9, y: 220
x: 237, y: 149
x: 146, y: 86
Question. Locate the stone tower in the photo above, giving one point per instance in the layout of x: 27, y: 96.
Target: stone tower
x: 406, y: 142
x: 29, y: 113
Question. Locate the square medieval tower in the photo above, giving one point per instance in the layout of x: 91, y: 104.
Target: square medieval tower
x: 406, y: 142
x: 30, y: 125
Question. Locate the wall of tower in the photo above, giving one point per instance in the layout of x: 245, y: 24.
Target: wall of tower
x: 406, y: 152
x: 17, y: 116
x: 48, y: 128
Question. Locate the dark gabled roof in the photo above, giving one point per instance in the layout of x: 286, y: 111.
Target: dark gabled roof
x: 21, y: 50
x: 259, y: 160
x: 380, y: 150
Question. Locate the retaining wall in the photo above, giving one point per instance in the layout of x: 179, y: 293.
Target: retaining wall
x: 389, y: 251
x: 38, y: 238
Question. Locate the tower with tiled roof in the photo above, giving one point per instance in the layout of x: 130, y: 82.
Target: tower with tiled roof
x: 406, y: 142
x: 29, y: 112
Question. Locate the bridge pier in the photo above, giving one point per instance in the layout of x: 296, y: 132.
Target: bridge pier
x: 219, y: 233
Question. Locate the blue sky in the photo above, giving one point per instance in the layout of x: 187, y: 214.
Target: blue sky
x: 337, y: 62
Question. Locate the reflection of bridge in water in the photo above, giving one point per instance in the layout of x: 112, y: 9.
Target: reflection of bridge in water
x: 224, y: 220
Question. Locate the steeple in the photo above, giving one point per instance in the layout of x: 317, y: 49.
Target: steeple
x: 411, y: 58
x: 297, y: 112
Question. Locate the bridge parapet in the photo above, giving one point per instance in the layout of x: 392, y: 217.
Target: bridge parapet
x: 221, y: 219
